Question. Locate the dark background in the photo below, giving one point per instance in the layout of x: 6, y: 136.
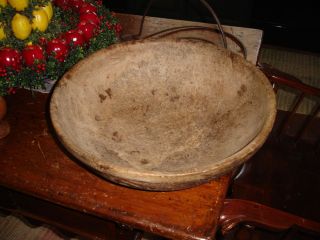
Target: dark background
x: 285, y: 23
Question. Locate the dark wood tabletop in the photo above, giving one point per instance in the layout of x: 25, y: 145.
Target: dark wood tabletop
x: 43, y: 174
x: 33, y: 161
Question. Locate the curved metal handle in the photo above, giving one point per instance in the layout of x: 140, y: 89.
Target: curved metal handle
x: 212, y: 12
x: 173, y: 30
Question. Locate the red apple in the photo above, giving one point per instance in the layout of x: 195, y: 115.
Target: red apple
x: 57, y: 48
x: 74, y: 38
x: 10, y: 58
x: 32, y: 53
x: 87, y: 29
x: 90, y: 17
x: 87, y: 8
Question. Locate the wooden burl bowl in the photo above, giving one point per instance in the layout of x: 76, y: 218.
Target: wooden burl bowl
x: 163, y: 115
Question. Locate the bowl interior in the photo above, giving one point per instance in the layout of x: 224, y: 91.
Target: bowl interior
x: 160, y: 107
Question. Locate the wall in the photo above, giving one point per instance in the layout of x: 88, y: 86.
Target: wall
x: 285, y: 23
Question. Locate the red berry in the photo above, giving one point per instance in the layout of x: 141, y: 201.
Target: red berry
x: 109, y: 25
x: 87, y: 8
x: 63, y: 4
x: 42, y: 41
x: 3, y: 72
x: 90, y: 17
x: 76, y: 4
x: 31, y: 54
x: 87, y: 29
x: 74, y: 37
x: 11, y: 90
x: 118, y: 28
x: 10, y: 58
x: 57, y: 48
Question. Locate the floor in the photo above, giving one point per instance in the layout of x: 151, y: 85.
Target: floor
x: 17, y: 228
x: 305, y: 66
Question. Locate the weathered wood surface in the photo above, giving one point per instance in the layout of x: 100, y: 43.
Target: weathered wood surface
x: 31, y: 161
x: 163, y: 115
x: 251, y: 38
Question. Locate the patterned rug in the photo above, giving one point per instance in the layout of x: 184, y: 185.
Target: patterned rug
x: 18, y: 228
x: 302, y: 65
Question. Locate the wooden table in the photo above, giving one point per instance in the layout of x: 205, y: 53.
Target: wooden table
x: 34, y: 163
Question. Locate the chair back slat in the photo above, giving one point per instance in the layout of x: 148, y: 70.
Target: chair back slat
x: 285, y: 124
x: 275, y: 87
x: 284, y: 81
x: 282, y: 78
x: 307, y: 122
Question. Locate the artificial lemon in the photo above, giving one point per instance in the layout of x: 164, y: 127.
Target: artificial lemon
x: 48, y: 9
x: 21, y: 26
x: 40, y: 20
x: 2, y: 33
x: 19, y: 5
x: 3, y: 3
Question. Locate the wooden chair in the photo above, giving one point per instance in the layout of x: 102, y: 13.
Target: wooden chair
x: 307, y: 129
x: 285, y: 173
x: 242, y: 219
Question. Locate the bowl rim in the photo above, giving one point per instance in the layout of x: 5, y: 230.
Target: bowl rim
x: 154, y: 180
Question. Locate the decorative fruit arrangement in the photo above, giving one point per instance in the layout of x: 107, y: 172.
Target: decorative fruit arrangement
x: 41, y: 39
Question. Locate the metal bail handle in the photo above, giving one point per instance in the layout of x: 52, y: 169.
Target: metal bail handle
x: 212, y: 12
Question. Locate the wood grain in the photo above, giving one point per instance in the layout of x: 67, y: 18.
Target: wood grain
x: 4, y: 126
x: 238, y: 211
x: 33, y: 162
